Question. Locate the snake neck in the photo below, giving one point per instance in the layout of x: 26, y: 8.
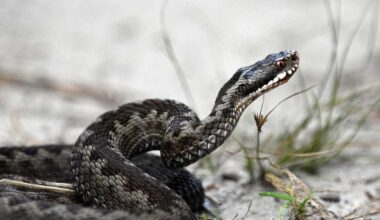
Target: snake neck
x: 194, y: 141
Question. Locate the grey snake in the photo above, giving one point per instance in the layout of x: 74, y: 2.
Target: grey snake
x: 104, y: 166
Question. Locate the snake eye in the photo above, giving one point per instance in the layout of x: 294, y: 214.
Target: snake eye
x: 280, y: 64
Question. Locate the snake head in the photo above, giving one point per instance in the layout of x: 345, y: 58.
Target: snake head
x: 270, y: 72
x: 250, y: 82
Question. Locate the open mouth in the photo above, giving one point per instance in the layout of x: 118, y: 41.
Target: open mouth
x: 280, y: 78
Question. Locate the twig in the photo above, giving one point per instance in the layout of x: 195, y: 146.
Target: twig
x: 61, y: 188
x: 235, y: 217
x: 360, y: 207
x: 262, y: 121
x: 249, y: 208
x: 376, y: 212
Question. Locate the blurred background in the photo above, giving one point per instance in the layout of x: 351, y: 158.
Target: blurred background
x: 64, y: 63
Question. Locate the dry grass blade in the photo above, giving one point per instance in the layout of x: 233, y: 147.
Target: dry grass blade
x: 289, y: 97
x: 19, y: 130
x: 173, y: 58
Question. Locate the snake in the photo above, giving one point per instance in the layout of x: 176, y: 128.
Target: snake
x: 111, y: 172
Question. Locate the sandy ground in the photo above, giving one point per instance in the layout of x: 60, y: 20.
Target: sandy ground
x: 115, y: 51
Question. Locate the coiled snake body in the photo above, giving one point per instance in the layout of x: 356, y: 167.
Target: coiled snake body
x: 104, y: 175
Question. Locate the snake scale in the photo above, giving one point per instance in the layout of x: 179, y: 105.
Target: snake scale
x: 111, y: 175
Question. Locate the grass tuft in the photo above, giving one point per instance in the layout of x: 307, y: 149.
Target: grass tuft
x: 290, y: 202
x: 332, y: 120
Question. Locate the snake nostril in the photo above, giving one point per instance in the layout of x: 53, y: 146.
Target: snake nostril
x: 294, y: 57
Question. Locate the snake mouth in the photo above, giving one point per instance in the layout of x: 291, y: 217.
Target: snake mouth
x: 279, y: 79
